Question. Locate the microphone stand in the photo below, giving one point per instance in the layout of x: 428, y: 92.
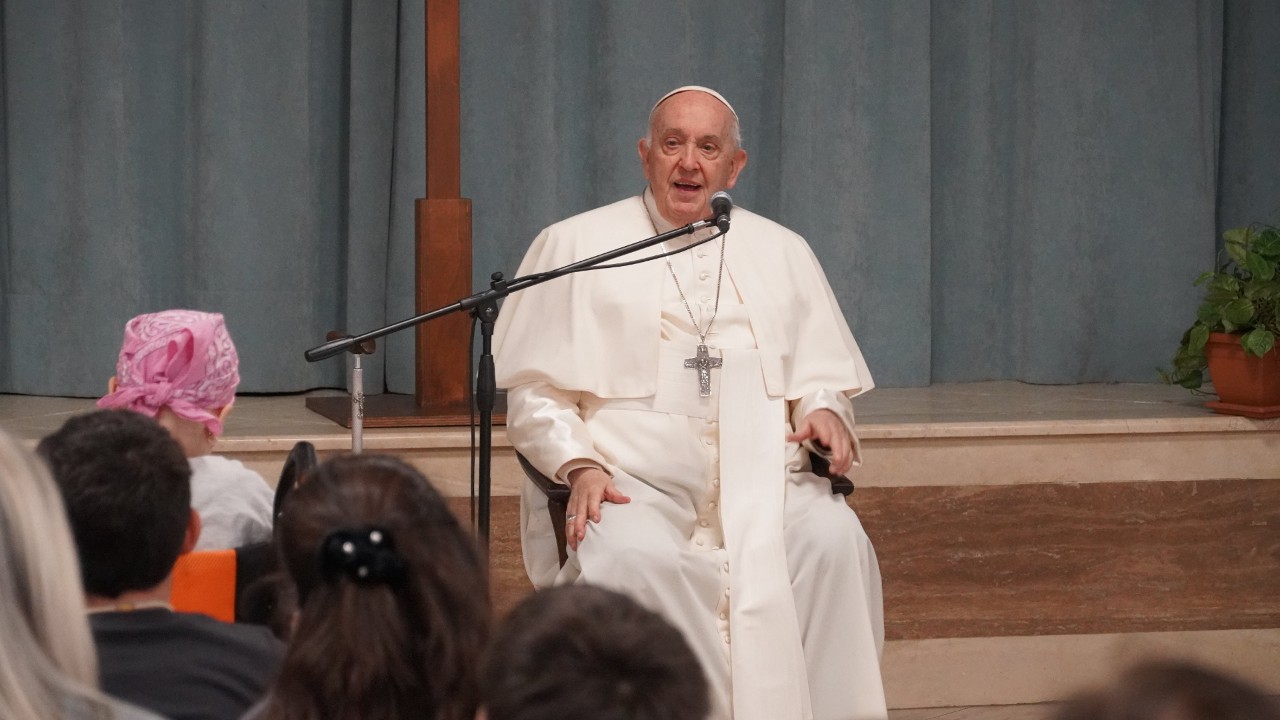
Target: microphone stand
x: 484, y: 307
x: 357, y: 387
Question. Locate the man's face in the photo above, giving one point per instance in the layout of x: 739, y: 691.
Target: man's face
x: 690, y: 155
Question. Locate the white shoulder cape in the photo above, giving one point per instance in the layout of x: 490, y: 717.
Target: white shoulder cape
x: 598, y: 331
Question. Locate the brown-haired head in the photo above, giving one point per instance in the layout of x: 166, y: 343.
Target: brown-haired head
x: 1172, y: 690
x: 393, y: 597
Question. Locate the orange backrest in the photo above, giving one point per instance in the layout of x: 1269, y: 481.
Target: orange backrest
x: 205, y: 582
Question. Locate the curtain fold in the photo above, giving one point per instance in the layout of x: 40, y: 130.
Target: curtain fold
x: 1073, y: 202
x: 996, y: 189
x: 1248, y: 181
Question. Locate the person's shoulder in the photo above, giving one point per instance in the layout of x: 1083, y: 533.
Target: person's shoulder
x: 211, y: 465
x: 252, y: 638
x: 754, y: 224
x: 258, y: 711
x: 77, y: 706
x: 125, y: 711
x: 111, y: 625
x: 193, y: 634
x: 587, y: 234
x: 220, y: 463
x: 631, y: 208
x: 768, y: 239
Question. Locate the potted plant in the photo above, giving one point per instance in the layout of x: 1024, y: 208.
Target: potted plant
x: 1234, y: 335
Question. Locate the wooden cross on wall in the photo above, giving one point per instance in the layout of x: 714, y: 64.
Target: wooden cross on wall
x: 442, y: 252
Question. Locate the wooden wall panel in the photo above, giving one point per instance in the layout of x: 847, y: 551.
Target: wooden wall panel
x: 507, y: 580
x: 1052, y: 559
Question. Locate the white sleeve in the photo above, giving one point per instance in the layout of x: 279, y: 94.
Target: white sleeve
x: 544, y: 425
x: 836, y: 402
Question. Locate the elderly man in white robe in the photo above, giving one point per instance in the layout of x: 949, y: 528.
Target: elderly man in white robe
x: 697, y: 498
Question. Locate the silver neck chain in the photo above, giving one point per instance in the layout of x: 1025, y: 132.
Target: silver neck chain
x: 702, y: 335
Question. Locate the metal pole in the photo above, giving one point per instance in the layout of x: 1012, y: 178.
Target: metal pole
x: 357, y: 406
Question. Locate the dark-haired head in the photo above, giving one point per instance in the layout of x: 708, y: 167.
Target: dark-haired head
x: 393, y: 597
x: 578, y: 651
x: 127, y: 489
x: 1172, y: 690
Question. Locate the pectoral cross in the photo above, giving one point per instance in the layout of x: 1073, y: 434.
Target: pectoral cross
x: 703, y: 363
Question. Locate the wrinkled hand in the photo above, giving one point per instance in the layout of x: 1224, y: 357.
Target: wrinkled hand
x: 588, y: 488
x: 827, y: 433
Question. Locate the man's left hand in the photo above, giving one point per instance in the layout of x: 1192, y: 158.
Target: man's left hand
x: 829, y: 434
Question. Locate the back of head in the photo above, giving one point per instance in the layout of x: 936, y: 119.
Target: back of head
x: 182, y: 360
x: 580, y: 651
x: 47, y: 650
x: 127, y: 489
x: 393, y: 597
x: 1172, y: 690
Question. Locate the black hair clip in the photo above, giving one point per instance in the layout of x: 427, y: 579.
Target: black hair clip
x: 365, y: 555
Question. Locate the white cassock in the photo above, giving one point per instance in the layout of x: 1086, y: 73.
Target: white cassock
x: 769, y: 575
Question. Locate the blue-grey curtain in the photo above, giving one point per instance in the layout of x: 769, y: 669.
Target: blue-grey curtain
x: 223, y: 156
x: 997, y: 190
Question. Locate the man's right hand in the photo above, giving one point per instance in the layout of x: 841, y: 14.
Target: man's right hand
x: 588, y: 488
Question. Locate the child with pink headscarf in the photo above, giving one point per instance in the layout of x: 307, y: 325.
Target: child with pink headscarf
x: 181, y: 368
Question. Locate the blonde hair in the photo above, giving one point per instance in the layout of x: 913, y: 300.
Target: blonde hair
x: 47, y: 656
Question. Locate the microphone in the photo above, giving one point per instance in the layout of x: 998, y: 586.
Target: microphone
x: 721, y: 204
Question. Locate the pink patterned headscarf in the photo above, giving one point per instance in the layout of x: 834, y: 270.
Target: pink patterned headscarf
x: 180, y: 359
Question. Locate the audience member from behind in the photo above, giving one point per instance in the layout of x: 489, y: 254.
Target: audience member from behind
x: 181, y: 368
x: 581, y: 651
x: 48, y: 669
x: 1172, y: 690
x: 393, y: 601
x: 127, y: 490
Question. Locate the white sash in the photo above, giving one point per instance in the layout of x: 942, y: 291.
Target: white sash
x: 767, y: 659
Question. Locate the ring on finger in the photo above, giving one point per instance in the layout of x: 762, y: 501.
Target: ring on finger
x: 571, y: 518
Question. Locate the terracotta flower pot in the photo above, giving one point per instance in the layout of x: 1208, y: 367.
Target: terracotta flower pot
x: 1246, y: 385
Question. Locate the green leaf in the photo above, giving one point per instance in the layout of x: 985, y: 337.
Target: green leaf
x: 1259, y: 267
x: 1265, y: 291
x: 1237, y: 236
x: 1224, y: 283
x: 1198, y: 337
x: 1238, y: 312
x: 1192, y: 381
x: 1236, y: 240
x: 1258, y: 341
x: 1208, y: 314
x: 1188, y: 361
x: 1267, y: 243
